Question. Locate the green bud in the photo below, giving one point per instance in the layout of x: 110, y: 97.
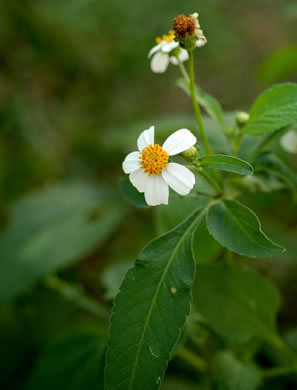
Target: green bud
x: 190, y: 153
x: 242, y: 118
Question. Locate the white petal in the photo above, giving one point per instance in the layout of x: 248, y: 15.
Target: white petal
x: 146, y: 138
x: 138, y: 179
x: 179, y: 178
x: 131, y: 162
x: 156, y: 191
x: 159, y: 62
x: 200, y: 43
x: 168, y: 47
x: 154, y: 50
x: 179, y: 141
x: 289, y: 141
x: 183, y: 56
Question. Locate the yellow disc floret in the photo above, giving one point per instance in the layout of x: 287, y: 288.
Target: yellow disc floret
x: 153, y: 159
x: 166, y: 38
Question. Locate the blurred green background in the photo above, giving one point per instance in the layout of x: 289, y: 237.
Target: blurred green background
x: 75, y: 90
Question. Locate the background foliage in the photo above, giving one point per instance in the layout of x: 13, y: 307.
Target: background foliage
x: 75, y: 91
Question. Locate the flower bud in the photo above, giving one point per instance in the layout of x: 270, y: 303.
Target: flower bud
x: 242, y: 118
x: 190, y: 153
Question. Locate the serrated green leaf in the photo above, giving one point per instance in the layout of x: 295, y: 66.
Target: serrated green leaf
x: 238, y: 304
x: 130, y: 193
x: 232, y: 374
x: 227, y: 163
x: 73, y: 363
x: 238, y: 228
x: 52, y: 228
x: 269, y: 162
x: 275, y: 108
x: 208, y: 102
x: 150, y: 310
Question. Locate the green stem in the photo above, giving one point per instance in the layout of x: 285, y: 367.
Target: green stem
x: 211, y: 181
x: 278, y: 371
x: 279, y: 343
x: 265, y: 141
x: 75, y: 294
x: 229, y: 256
x: 237, y: 144
x: 183, y: 71
x: 196, y: 105
x: 190, y: 357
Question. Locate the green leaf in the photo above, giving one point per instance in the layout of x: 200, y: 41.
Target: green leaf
x: 275, y: 108
x: 208, y: 102
x: 280, y: 65
x: 236, y: 303
x: 238, y: 228
x: 232, y: 374
x: 74, y: 363
x: 270, y: 163
x: 227, y: 163
x: 53, y: 228
x: 205, y: 247
x: 150, y: 310
x: 130, y: 193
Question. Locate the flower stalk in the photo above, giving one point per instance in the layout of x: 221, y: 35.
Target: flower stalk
x: 196, y: 105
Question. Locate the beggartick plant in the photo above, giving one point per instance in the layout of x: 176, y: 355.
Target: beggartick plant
x: 174, y: 299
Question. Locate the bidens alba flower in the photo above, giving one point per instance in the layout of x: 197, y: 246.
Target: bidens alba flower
x: 289, y: 141
x: 166, y: 51
x: 151, y: 172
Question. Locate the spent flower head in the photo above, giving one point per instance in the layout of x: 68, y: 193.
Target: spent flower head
x: 188, y: 32
x: 150, y: 170
x: 166, y: 51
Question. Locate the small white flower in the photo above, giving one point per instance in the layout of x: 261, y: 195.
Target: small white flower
x: 149, y: 170
x: 161, y: 53
x: 289, y: 141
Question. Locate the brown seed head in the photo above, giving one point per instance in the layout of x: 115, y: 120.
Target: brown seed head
x: 183, y: 26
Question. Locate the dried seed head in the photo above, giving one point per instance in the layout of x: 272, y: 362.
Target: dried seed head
x: 184, y: 26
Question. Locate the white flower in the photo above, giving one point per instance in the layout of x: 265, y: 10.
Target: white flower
x: 161, y: 53
x: 289, y: 141
x: 199, y: 33
x: 149, y: 170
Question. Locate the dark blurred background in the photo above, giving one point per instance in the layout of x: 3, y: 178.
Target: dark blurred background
x: 73, y: 73
x: 75, y: 91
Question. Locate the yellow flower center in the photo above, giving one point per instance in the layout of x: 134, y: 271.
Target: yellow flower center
x: 167, y: 38
x: 153, y: 159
